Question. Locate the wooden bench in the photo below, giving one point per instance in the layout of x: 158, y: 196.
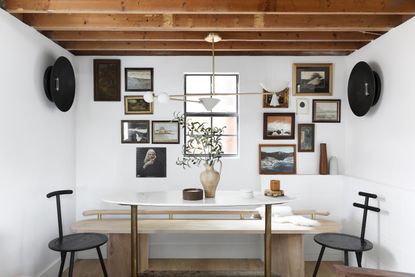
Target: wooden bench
x: 287, y: 239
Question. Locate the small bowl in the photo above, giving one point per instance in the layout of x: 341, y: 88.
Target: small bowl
x: 192, y: 194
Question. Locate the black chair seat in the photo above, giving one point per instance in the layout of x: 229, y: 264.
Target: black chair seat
x: 343, y: 242
x: 78, y: 242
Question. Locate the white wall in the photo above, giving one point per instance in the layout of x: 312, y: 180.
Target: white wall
x: 104, y: 165
x: 380, y: 150
x: 37, y: 151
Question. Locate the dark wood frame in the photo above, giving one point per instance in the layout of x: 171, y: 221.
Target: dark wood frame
x: 138, y: 69
x: 338, y: 101
x: 165, y: 121
x: 296, y: 67
x: 144, y: 121
x: 126, y: 111
x: 277, y: 173
x: 265, y: 121
x: 97, y: 94
x: 300, y: 136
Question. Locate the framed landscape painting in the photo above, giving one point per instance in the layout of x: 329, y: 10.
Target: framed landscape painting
x: 312, y: 79
x: 137, y: 105
x: 135, y: 131
x: 305, y: 137
x: 165, y: 132
x: 326, y: 110
x: 277, y: 159
x: 279, y: 126
x: 138, y: 79
x: 107, y: 85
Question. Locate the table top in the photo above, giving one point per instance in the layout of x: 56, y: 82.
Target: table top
x: 175, y: 199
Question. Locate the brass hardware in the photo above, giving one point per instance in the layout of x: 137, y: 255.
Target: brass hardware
x: 267, y: 241
x: 134, y: 248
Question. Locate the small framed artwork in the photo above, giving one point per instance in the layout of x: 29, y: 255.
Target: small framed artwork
x: 275, y: 100
x: 279, y: 126
x: 151, y: 162
x: 277, y: 159
x: 326, y: 110
x: 138, y: 79
x: 312, y: 79
x: 135, y: 131
x: 137, y: 105
x: 165, y: 132
x: 305, y: 137
x: 303, y: 106
x: 107, y: 85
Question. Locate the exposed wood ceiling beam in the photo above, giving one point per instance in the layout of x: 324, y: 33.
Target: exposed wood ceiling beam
x: 157, y: 22
x: 199, y: 36
x: 212, y: 6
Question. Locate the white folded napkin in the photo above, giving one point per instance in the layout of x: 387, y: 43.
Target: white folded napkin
x: 284, y: 214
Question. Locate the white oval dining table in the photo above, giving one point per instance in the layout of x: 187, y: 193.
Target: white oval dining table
x: 175, y: 199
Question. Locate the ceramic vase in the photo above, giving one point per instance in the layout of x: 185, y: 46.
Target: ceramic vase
x: 324, y: 167
x: 210, y: 179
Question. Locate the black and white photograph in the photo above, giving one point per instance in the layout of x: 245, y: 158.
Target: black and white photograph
x: 277, y: 159
x: 326, y: 110
x: 279, y: 126
x: 135, y: 131
x: 305, y: 137
x: 151, y: 162
x: 165, y: 132
x: 312, y: 79
x: 138, y: 79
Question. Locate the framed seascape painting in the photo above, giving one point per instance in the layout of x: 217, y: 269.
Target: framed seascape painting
x: 151, y: 162
x: 277, y: 159
x: 165, y: 132
x: 326, y: 110
x: 138, y: 79
x: 137, y: 105
x: 312, y: 79
x: 279, y: 126
x: 305, y: 137
x: 107, y: 85
x: 135, y: 131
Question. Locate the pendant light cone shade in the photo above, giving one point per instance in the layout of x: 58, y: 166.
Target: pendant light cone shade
x: 209, y: 103
x: 148, y: 97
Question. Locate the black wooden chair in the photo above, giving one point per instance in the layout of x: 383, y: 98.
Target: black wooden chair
x: 348, y: 243
x: 75, y: 242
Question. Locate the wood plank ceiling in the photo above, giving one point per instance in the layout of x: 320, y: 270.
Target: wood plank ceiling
x: 178, y: 27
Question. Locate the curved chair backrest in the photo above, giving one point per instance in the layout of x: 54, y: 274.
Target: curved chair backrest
x: 366, y: 208
x: 58, y: 193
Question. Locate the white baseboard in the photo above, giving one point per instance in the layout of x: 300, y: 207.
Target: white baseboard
x: 53, y: 269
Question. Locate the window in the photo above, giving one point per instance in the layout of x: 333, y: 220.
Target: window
x: 225, y: 112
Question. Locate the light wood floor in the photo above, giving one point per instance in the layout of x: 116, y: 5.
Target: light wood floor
x: 92, y: 268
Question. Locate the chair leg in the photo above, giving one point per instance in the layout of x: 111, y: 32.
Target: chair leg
x: 359, y: 258
x: 71, y: 264
x: 63, y: 257
x: 101, y: 260
x: 346, y: 258
x: 319, y: 261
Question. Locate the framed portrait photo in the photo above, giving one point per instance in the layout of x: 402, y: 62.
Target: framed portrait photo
x: 305, y: 137
x: 107, y: 85
x: 138, y: 79
x: 150, y: 162
x: 312, y: 79
x: 135, y: 131
x: 137, y: 105
x: 326, y: 110
x: 165, y: 132
x: 277, y: 159
x: 279, y: 126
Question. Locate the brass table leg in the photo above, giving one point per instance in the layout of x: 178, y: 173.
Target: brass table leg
x: 267, y: 241
x: 134, y: 250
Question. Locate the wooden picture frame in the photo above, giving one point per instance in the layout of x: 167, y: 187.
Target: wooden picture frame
x: 282, y: 98
x: 151, y: 162
x: 326, y: 110
x: 277, y: 159
x: 165, y: 132
x: 279, y: 126
x: 107, y: 75
x: 312, y: 79
x: 135, y: 131
x: 306, y: 137
x: 139, y: 79
x: 135, y: 104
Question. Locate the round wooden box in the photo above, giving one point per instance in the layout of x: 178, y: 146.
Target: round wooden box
x: 192, y: 194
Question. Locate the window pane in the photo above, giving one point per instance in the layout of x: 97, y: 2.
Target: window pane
x: 200, y: 119
x: 230, y: 122
x: 225, y: 84
x: 197, y: 84
x: 227, y: 104
x: 230, y: 145
x: 192, y: 107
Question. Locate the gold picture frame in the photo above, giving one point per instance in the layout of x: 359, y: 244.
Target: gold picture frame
x: 312, y: 79
x: 137, y: 105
